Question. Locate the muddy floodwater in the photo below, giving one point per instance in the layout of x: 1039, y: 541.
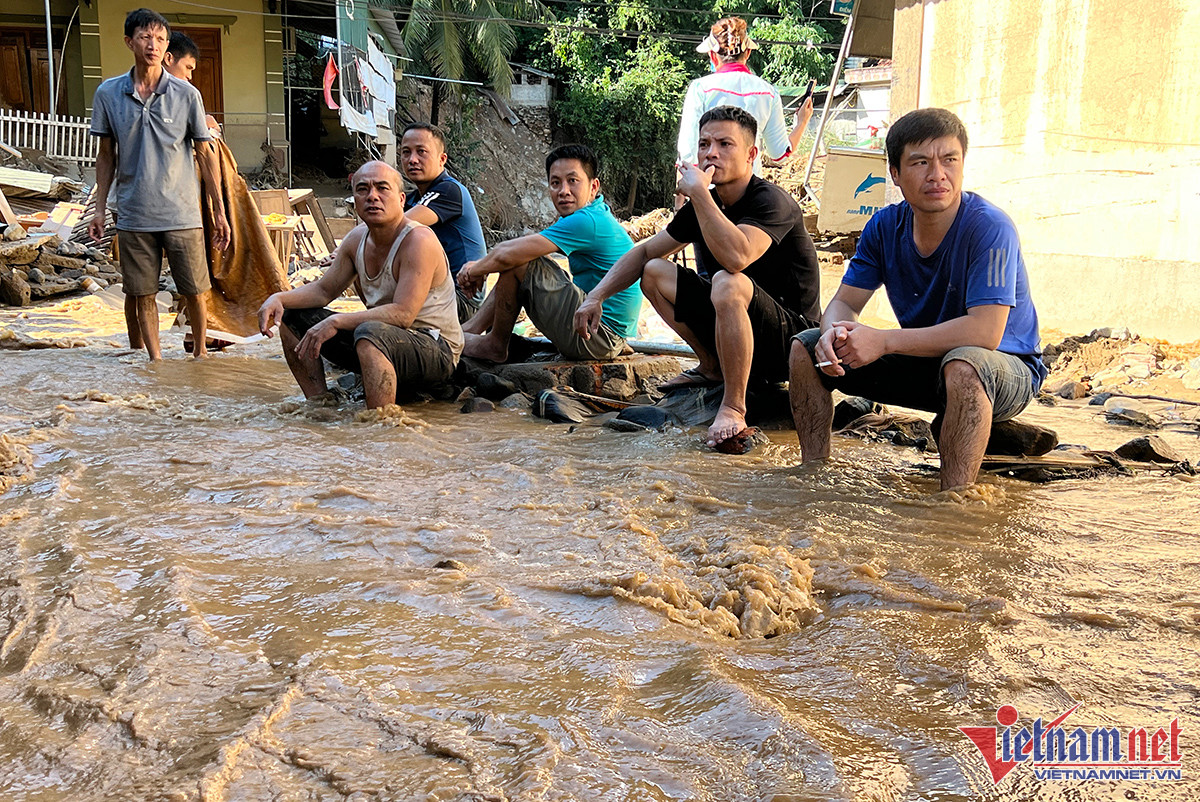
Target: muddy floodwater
x: 211, y: 591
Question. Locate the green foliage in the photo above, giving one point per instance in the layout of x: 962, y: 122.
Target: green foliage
x: 791, y: 65
x: 466, y: 39
x: 630, y: 116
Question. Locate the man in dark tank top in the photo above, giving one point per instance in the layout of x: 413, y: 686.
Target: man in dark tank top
x: 408, y: 337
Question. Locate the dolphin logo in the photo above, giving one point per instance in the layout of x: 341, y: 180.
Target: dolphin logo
x: 868, y: 182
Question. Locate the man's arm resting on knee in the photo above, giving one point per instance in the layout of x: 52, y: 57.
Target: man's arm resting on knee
x: 332, y: 283
x: 982, y: 326
x: 844, y: 308
x: 505, y: 256
x: 620, y: 276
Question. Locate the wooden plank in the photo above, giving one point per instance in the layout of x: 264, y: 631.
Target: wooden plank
x: 304, y: 201
x: 6, y: 212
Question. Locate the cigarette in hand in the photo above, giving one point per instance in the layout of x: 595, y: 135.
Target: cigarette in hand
x: 823, y: 364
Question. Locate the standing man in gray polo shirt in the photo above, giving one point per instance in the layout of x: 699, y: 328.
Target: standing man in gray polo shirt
x: 149, y: 124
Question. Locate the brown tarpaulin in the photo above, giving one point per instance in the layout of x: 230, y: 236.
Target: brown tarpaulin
x: 249, y: 271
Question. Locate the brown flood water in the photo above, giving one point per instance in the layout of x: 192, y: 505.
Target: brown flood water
x: 211, y: 594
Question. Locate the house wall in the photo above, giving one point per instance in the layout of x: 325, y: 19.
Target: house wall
x: 1082, y: 116
x: 537, y: 95
x: 247, y: 78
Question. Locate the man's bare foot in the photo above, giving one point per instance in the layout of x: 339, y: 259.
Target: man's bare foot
x: 727, y: 423
x: 200, y: 353
x: 484, y: 346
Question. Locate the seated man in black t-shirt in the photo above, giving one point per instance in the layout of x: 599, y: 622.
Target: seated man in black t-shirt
x: 764, y: 283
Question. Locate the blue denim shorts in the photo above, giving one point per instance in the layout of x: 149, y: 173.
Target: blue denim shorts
x: 917, y: 382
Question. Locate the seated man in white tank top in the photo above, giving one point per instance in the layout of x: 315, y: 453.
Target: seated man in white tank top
x: 408, y: 337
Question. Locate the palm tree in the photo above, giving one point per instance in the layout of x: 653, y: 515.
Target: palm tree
x: 464, y: 40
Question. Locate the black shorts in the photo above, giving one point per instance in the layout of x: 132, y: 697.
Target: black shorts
x: 773, y: 325
x: 418, y: 356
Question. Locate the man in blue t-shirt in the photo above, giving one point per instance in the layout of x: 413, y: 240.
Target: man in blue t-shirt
x: 442, y: 203
x: 592, y: 240
x: 967, y: 347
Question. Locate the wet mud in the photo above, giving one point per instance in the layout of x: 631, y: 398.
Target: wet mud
x: 211, y: 589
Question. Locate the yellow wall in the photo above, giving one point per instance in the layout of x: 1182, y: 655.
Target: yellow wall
x: 1084, y: 124
x: 243, y: 67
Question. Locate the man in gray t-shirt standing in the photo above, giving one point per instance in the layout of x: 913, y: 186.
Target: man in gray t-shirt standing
x: 149, y: 123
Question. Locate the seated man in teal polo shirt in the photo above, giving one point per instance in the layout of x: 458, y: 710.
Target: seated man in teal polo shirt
x: 592, y: 240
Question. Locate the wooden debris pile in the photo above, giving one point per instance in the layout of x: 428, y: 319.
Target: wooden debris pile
x: 35, y: 266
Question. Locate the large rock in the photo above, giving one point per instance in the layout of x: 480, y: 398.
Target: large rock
x: 1069, y: 389
x: 1013, y: 438
x: 14, y: 290
x: 489, y: 385
x: 1150, y: 448
x: 473, y: 405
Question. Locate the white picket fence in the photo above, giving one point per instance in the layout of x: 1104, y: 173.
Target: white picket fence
x: 61, y: 138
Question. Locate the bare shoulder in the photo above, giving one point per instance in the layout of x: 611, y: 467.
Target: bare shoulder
x: 421, y: 244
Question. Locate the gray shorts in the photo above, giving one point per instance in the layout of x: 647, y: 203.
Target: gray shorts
x: 551, y: 299
x: 917, y: 382
x: 142, y: 255
x: 468, y: 305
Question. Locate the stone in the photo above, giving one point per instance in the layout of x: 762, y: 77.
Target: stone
x: 743, y: 442
x: 1013, y: 438
x: 1149, y: 448
x: 1069, y: 389
x: 36, y: 275
x: 851, y: 409
x: 49, y: 260
x: 21, y: 252
x: 518, y: 401
x: 474, y: 405
x: 1099, y: 399
x: 466, y: 395
x: 489, y: 385
x: 1191, y: 379
x: 96, y: 255
x: 450, y: 565
x: 14, y: 232
x: 14, y: 290
x: 72, y: 249
x: 647, y: 417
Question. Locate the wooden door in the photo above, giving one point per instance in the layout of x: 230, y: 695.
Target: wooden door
x: 207, y: 75
x: 14, y: 71
x: 39, y: 74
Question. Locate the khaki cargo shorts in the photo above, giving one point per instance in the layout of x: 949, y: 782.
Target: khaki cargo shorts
x: 142, y: 254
